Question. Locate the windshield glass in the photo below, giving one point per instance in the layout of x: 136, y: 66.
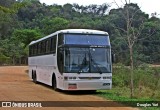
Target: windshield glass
x: 87, y: 60
x: 87, y: 39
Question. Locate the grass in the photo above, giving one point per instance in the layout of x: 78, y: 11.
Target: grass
x: 122, y: 95
x: 146, y: 86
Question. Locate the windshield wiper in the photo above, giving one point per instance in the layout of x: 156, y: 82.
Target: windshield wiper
x: 82, y: 65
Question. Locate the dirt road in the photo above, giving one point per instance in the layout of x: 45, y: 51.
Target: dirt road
x: 15, y: 85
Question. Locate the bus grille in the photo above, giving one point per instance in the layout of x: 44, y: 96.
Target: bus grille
x: 89, y: 78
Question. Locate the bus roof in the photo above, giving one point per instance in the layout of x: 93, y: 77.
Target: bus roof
x: 80, y: 31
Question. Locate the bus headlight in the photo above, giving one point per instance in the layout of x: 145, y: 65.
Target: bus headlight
x: 72, y: 78
x: 69, y: 78
x: 65, y: 78
x: 106, y: 84
x: 107, y: 77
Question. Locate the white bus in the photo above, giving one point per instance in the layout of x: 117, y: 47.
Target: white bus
x: 72, y: 59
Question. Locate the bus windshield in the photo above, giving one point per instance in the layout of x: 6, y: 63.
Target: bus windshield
x: 87, y: 39
x: 87, y: 60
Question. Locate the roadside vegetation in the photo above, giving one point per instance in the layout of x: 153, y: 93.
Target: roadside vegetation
x: 146, y: 85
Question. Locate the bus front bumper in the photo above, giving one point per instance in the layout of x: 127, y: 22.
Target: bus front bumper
x: 87, y: 85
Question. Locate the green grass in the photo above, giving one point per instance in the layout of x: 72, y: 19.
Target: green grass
x: 122, y: 95
x: 146, y: 85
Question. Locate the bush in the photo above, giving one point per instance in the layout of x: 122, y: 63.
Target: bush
x: 4, y: 59
x: 146, y: 80
x: 120, y: 75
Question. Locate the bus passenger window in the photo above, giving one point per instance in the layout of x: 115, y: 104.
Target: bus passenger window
x: 53, y: 44
x: 60, y: 39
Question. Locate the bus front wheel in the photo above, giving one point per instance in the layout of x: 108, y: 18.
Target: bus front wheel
x: 54, y: 82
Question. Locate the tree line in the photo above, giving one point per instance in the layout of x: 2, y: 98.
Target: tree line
x: 22, y: 21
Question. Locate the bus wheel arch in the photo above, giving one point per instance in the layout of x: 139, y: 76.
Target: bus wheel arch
x: 54, y: 81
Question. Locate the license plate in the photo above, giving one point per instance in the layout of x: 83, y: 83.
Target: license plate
x: 72, y: 86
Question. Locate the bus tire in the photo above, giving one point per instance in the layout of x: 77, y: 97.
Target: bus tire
x: 34, y: 77
x: 54, y: 82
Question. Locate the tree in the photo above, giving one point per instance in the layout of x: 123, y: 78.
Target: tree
x: 150, y: 46
x: 19, y: 44
x: 54, y: 24
x: 3, y: 58
x: 8, y: 10
x: 25, y: 36
x: 134, y: 20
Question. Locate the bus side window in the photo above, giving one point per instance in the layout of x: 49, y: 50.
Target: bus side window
x: 55, y: 40
x: 53, y: 44
x: 47, y: 46
x: 60, y: 39
x: 50, y: 45
x: 44, y: 47
x: 33, y: 49
x: 39, y: 48
x: 36, y: 49
x: 30, y: 51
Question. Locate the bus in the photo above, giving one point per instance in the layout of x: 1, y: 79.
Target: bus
x: 72, y: 59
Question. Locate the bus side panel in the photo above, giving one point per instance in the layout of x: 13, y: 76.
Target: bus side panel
x: 31, y: 66
x: 44, y: 66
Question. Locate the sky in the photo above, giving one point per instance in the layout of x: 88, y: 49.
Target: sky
x: 147, y: 6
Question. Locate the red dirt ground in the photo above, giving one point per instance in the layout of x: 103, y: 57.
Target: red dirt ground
x: 15, y: 85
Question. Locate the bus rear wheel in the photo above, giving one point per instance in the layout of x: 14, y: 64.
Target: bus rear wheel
x: 34, y: 78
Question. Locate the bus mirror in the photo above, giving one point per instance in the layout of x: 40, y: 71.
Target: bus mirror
x: 113, y: 58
